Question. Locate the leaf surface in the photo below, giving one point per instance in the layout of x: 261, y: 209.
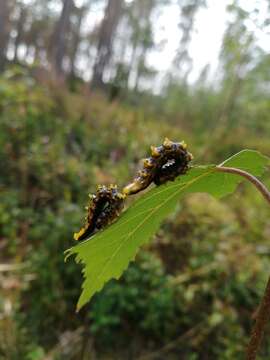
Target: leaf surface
x: 107, y: 254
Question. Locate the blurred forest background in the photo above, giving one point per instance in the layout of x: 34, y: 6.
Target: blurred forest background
x: 80, y: 104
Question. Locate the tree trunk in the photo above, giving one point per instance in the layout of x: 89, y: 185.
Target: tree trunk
x: 4, y: 31
x: 20, y: 32
x: 76, y: 42
x: 59, y: 37
x: 107, y: 31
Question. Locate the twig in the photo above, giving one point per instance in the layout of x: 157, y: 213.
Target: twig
x: 173, y: 344
x: 263, y: 313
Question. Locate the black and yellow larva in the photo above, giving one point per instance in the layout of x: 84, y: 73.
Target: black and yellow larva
x: 103, y: 208
x: 166, y: 162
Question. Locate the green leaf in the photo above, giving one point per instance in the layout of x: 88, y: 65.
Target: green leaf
x: 107, y: 254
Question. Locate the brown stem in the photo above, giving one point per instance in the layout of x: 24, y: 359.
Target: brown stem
x: 256, y: 182
x: 263, y: 313
x: 262, y: 318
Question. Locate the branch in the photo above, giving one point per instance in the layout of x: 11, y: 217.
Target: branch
x: 263, y: 313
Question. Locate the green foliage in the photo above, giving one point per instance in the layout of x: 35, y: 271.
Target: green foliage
x: 144, y: 297
x: 108, y: 253
x: 204, y: 271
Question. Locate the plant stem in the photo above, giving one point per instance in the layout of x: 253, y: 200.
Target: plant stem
x: 263, y: 313
x: 262, y: 318
x: 256, y: 182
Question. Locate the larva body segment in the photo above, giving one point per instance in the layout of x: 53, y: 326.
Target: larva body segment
x: 165, y: 163
x: 103, y: 208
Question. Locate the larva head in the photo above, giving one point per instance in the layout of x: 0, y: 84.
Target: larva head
x: 80, y: 233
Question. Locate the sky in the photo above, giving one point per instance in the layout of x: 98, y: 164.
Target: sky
x: 210, y: 24
x: 209, y: 28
